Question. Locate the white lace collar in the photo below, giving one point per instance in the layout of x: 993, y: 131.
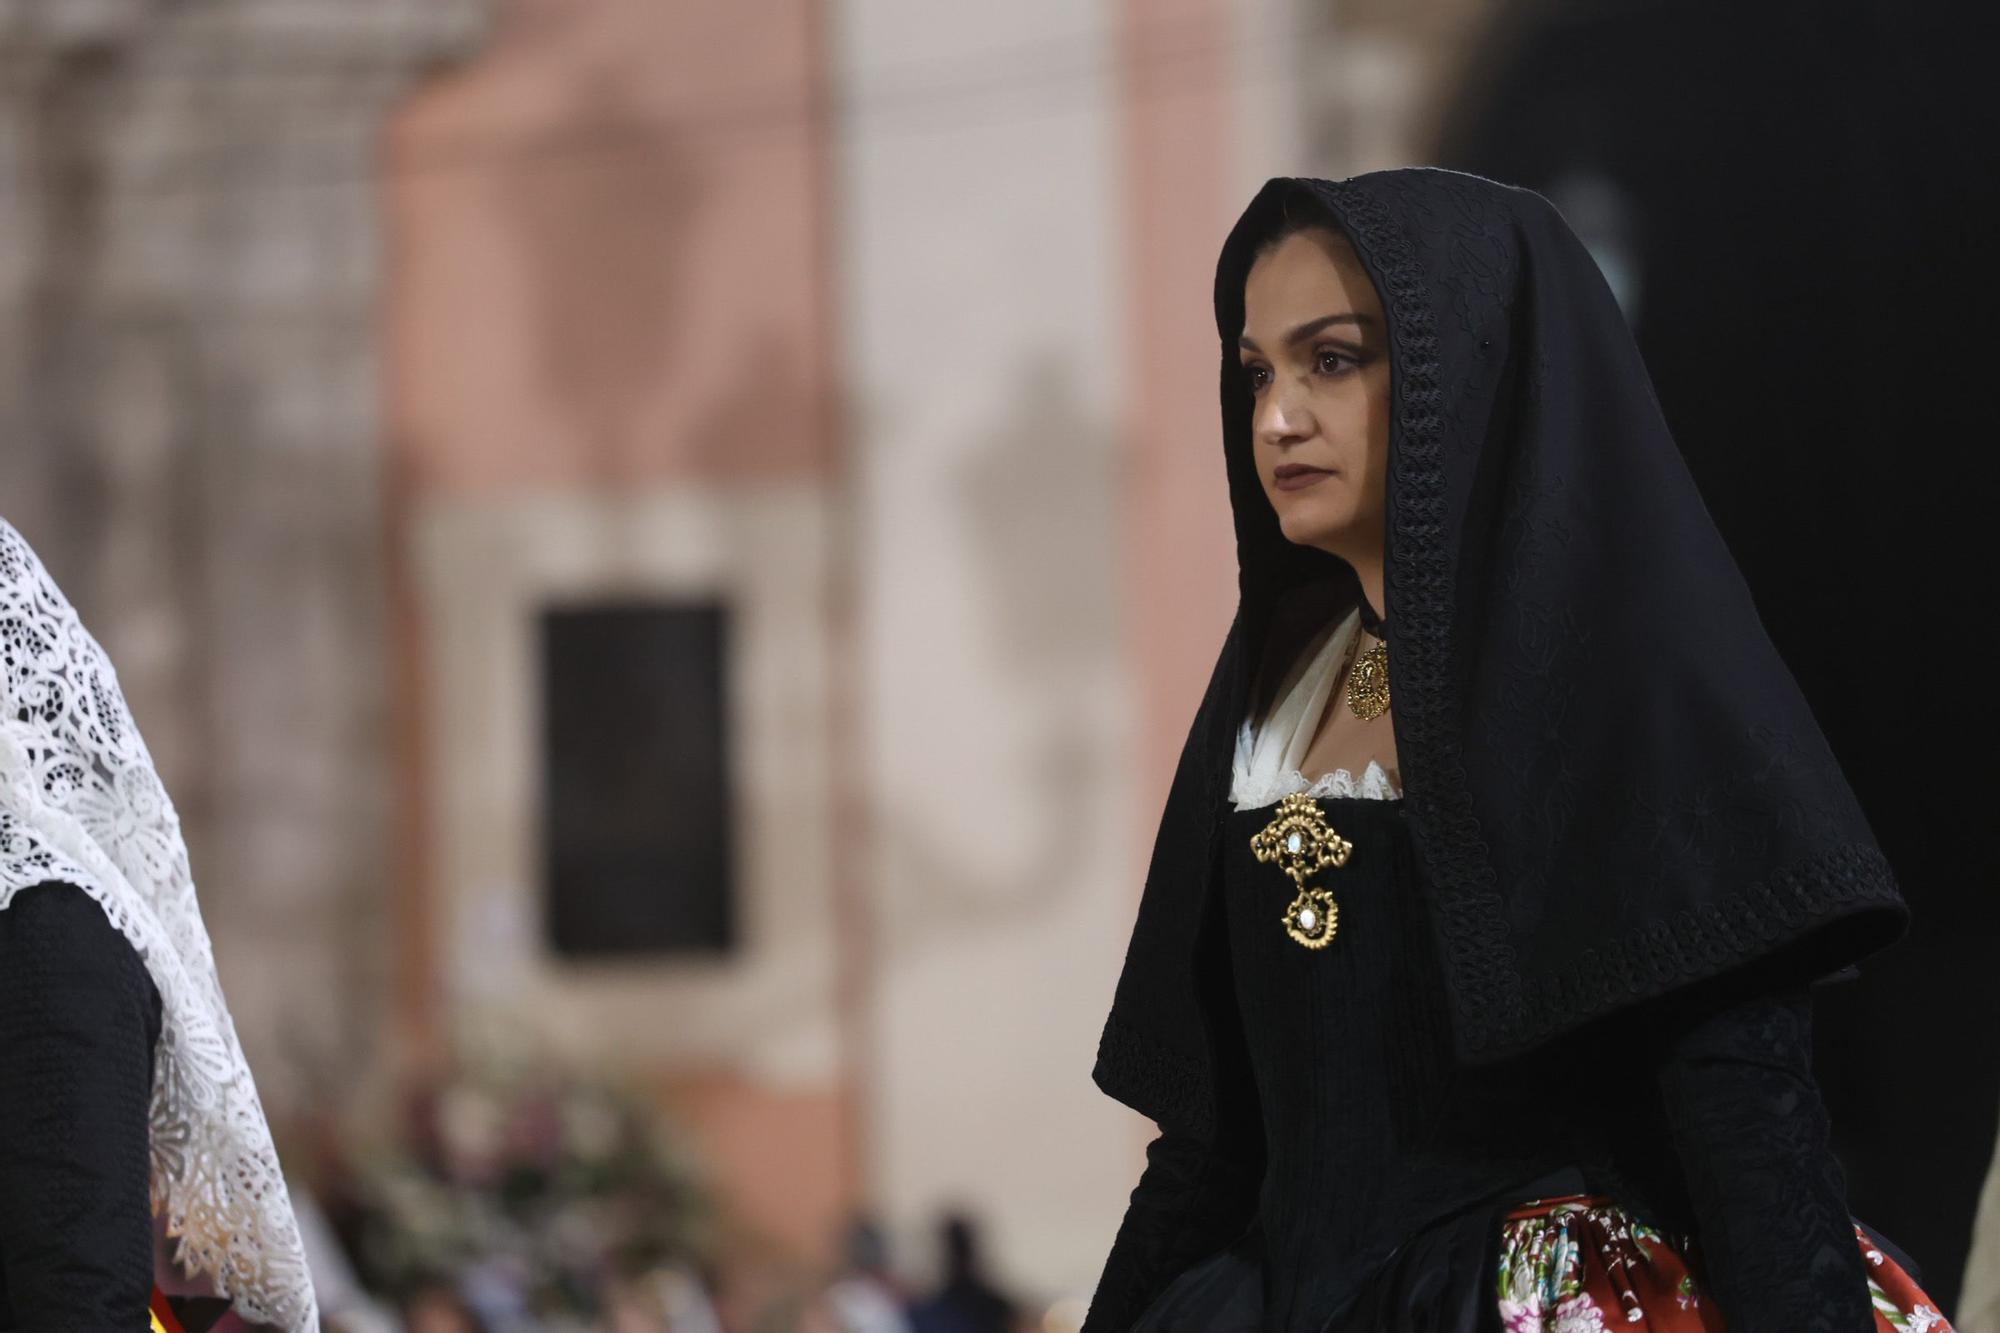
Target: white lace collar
x: 1267, y: 762
x: 80, y: 802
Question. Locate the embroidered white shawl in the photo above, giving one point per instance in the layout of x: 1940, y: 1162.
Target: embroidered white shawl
x: 80, y: 802
x: 1270, y: 751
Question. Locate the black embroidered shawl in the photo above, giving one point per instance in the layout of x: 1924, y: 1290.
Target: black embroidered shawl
x: 1615, y: 786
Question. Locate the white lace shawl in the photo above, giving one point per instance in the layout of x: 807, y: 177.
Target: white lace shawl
x: 1269, y: 753
x: 80, y: 802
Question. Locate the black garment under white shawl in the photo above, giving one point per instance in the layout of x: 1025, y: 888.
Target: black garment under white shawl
x: 81, y: 804
x: 1615, y: 786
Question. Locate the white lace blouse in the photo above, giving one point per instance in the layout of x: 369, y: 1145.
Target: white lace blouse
x: 1269, y: 751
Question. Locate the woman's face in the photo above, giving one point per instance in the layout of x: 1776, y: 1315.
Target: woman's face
x: 1315, y: 354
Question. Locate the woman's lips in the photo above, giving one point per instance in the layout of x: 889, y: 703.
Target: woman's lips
x: 1297, y: 476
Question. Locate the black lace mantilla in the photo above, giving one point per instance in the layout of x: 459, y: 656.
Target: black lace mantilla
x: 1616, y: 788
x: 1499, y: 1007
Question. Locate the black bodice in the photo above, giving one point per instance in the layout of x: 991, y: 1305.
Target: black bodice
x: 79, y: 1018
x: 1371, y: 1128
x: 1356, y: 1165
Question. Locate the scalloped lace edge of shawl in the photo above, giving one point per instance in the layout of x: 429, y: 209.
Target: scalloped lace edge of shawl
x: 1373, y: 784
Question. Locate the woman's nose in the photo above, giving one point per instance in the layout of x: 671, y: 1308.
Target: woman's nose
x: 1281, y: 415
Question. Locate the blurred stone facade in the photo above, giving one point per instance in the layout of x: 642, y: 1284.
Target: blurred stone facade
x: 189, y: 403
x: 612, y: 379
x: 920, y: 375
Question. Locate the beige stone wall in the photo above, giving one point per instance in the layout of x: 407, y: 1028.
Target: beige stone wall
x: 188, y: 365
x: 1375, y: 77
x: 980, y: 169
x: 1027, y: 320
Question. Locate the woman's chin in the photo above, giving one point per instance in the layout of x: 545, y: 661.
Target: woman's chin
x: 1303, y: 527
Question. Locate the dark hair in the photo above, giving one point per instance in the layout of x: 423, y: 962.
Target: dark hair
x: 1305, y: 608
x: 1301, y: 210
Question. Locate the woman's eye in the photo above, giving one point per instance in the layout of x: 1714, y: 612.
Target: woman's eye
x: 1256, y: 376
x: 1332, y: 361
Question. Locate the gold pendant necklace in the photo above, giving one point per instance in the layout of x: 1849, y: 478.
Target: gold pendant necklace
x: 1301, y: 840
x: 1368, y: 679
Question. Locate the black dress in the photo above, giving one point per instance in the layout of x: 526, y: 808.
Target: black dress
x: 1637, y: 849
x: 1359, y: 1175
x: 79, y: 1017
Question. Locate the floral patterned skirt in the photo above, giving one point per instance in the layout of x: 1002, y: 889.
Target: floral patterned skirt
x: 1580, y: 1263
x: 1568, y: 1263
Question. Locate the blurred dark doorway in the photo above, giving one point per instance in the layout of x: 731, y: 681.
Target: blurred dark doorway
x: 1795, y: 204
x: 636, y: 814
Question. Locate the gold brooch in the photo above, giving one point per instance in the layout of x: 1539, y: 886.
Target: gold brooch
x: 1368, y: 684
x: 1303, y: 844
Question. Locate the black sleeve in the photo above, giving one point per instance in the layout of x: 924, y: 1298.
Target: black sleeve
x: 1775, y: 1244
x: 1189, y: 1203
x: 1197, y: 1193
x: 78, y: 1020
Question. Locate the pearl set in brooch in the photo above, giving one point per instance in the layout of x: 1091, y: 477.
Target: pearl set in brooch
x: 1303, y: 843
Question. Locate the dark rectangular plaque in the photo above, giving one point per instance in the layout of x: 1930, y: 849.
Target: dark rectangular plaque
x: 636, y: 815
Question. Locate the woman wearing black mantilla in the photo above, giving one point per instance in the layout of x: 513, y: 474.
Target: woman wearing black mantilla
x: 1470, y: 984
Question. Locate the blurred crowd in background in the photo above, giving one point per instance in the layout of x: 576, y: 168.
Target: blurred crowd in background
x: 665, y: 550
x: 509, y: 1197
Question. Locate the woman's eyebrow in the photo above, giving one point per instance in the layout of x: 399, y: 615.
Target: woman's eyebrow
x: 1312, y: 326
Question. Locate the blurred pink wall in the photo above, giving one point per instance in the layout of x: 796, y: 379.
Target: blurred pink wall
x: 607, y: 264
x: 606, y: 271
x: 1180, y: 126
